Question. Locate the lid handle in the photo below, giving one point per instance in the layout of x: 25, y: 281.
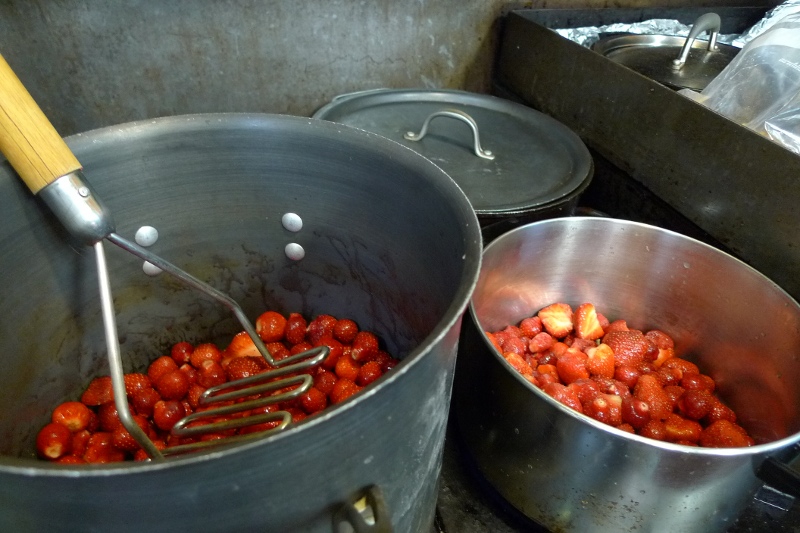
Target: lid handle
x: 459, y: 115
x: 709, y: 22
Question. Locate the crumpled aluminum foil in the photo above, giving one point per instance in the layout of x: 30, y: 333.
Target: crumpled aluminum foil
x: 589, y: 35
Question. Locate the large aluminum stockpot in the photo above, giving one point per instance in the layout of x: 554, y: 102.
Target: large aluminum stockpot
x: 572, y: 473
x: 390, y: 241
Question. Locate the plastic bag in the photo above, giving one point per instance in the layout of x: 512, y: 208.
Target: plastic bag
x: 760, y: 88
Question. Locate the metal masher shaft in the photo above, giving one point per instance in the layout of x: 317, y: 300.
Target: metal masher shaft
x: 114, y: 358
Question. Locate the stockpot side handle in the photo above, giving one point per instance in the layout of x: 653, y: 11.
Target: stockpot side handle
x: 709, y: 22
x: 365, y: 512
x: 780, y: 476
x: 458, y: 115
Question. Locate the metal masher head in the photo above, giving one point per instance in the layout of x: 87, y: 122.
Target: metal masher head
x: 52, y: 172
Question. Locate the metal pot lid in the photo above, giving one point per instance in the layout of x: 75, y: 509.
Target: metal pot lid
x: 654, y: 55
x: 507, y: 157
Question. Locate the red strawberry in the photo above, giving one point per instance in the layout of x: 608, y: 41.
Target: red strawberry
x: 343, y: 389
x: 531, y: 326
x: 296, y: 328
x: 680, y: 429
x: 75, y: 416
x: 210, y: 374
x: 161, y: 366
x: 144, y: 400
x: 557, y: 319
x: 173, y: 385
x: 167, y: 413
x: 98, y: 392
x: 109, y: 417
x: 241, y: 346
x: 320, y: 326
x: 313, y: 400
x: 635, y: 412
x: 271, y: 326
x: 336, y: 350
x: 600, y: 361
x: 587, y: 325
x: 136, y: 382
x: 654, y: 429
x: 100, y: 449
x: 571, y: 366
x: 518, y: 363
x: 563, y: 394
x: 181, y: 352
x: 345, y: 330
x: 719, y: 411
x: 202, y: 352
x: 53, y: 441
x: 695, y: 404
x: 617, y: 325
x: 368, y: 373
x: 630, y: 347
x: 725, y: 434
x: 606, y: 408
x: 325, y: 380
x: 648, y: 389
x: 365, y: 347
x: 541, y: 342
x: 346, y: 368
x: 242, y: 367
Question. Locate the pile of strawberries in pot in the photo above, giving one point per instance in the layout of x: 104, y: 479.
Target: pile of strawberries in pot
x: 620, y: 376
x: 90, y: 431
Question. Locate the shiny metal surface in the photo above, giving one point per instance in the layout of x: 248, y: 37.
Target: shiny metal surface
x: 711, y: 23
x: 458, y: 115
x: 83, y: 214
x: 215, y: 187
x: 571, y: 473
x: 654, y: 56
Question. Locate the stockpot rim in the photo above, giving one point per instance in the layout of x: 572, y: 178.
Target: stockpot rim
x: 190, y: 122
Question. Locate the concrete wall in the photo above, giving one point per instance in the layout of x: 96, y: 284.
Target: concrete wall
x: 94, y: 63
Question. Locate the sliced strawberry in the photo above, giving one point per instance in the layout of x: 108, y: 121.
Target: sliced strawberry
x: 600, y: 361
x: 518, y: 363
x: 587, y: 325
x: 98, y: 392
x: 557, y: 319
x: 241, y: 345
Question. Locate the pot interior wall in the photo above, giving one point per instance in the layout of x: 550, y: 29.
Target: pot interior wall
x: 384, y: 241
x: 737, y: 325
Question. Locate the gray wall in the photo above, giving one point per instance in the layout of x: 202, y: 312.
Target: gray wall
x: 94, y: 63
